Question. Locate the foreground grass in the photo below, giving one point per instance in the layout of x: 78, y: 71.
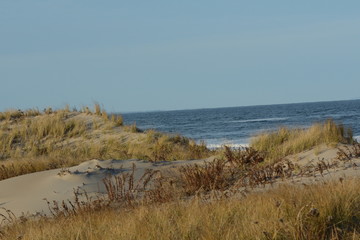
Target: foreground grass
x: 324, y: 211
x: 32, y: 141
x: 286, y: 141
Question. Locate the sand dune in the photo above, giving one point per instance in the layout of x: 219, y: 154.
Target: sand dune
x: 324, y: 154
x: 25, y: 194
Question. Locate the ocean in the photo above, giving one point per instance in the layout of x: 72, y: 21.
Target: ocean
x: 235, y: 126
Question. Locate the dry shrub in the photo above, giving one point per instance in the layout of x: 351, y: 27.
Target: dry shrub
x: 163, y: 189
x: 349, y: 152
x: 210, y: 176
x: 121, y: 191
x: 243, y: 157
x: 239, y: 168
x: 81, y: 204
x: 243, y: 169
x: 125, y: 189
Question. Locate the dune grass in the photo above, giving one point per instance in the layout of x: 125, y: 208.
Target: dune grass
x: 33, y: 141
x: 286, y: 141
x: 324, y: 211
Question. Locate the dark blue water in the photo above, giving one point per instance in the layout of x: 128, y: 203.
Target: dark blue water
x: 236, y: 125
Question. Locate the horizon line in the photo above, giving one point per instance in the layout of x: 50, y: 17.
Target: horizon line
x: 254, y: 105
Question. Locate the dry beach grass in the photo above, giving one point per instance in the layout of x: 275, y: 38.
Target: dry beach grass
x: 324, y: 211
x: 286, y: 141
x: 32, y: 141
x: 252, y: 193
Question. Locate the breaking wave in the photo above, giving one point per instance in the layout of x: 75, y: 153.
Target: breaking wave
x: 260, y: 120
x: 231, y: 145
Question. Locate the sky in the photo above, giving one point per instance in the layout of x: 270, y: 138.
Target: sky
x: 168, y: 55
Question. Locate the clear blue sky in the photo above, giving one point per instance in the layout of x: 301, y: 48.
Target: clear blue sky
x: 159, y: 55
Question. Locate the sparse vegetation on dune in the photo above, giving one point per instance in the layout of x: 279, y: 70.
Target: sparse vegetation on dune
x: 286, y: 141
x: 15, y: 114
x: 33, y: 141
x: 325, y: 211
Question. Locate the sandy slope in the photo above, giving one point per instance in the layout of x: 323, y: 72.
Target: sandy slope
x: 324, y: 154
x: 25, y: 194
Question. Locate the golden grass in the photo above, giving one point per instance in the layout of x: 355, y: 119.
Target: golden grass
x: 132, y: 128
x: 35, y: 136
x: 323, y: 211
x: 285, y: 141
x: 118, y: 120
x: 162, y: 147
x: 97, y: 109
x: 32, y: 141
x: 16, y: 114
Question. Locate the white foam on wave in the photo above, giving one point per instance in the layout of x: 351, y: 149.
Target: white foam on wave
x: 259, y: 120
x: 357, y: 138
x: 231, y: 145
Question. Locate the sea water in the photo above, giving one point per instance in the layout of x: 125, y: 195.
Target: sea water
x: 235, y: 126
